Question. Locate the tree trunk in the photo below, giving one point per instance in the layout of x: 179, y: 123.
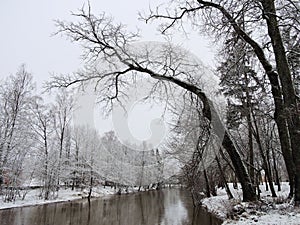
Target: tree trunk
x: 251, y: 152
x: 276, y: 170
x: 264, y: 159
x: 240, y: 170
x: 250, y: 139
x: 206, y: 183
x: 266, y: 182
x: 91, y: 188
x: 288, y: 90
x: 229, y: 194
x: 284, y: 137
x: 258, y: 179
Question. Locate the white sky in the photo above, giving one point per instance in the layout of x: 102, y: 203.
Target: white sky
x: 26, y: 28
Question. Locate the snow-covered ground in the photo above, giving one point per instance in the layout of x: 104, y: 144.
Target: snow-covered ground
x: 63, y: 195
x: 267, y: 211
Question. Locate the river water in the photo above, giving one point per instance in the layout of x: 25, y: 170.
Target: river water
x: 165, y: 207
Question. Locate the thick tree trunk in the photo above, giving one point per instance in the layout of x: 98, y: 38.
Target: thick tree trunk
x: 284, y: 137
x: 240, y: 170
x: 288, y: 90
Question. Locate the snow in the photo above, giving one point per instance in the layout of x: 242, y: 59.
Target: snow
x: 266, y: 211
x: 273, y: 217
x: 63, y: 196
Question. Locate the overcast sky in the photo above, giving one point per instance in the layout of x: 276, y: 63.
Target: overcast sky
x: 26, y: 28
x: 26, y: 37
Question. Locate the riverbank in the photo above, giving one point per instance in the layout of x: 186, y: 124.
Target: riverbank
x: 169, y: 206
x: 266, y: 211
x: 64, y: 195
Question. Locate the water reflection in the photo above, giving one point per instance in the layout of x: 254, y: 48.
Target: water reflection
x: 167, y: 207
x: 175, y: 213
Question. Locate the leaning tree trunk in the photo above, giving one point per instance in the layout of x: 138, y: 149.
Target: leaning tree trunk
x: 218, y: 128
x: 240, y: 170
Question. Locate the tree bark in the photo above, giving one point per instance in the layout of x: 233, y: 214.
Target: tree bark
x: 288, y: 90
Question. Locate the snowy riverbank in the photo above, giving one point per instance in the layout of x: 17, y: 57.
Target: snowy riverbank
x: 64, y: 195
x: 267, y: 211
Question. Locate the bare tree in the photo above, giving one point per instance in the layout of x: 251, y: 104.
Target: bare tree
x: 108, y: 43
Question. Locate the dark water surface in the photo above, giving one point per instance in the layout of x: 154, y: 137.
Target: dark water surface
x: 166, y: 207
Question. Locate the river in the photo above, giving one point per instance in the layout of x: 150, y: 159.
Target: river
x: 165, y: 207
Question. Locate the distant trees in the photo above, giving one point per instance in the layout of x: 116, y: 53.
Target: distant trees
x: 131, y: 167
x: 16, y: 140
x: 40, y: 146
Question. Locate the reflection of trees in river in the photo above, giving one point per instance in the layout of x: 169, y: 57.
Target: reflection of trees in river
x: 146, y: 208
x: 166, y: 207
x: 175, y: 211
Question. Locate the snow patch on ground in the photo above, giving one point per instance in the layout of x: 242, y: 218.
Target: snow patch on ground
x: 267, y: 211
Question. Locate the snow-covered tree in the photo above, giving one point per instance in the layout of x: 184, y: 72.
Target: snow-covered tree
x: 16, y: 140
